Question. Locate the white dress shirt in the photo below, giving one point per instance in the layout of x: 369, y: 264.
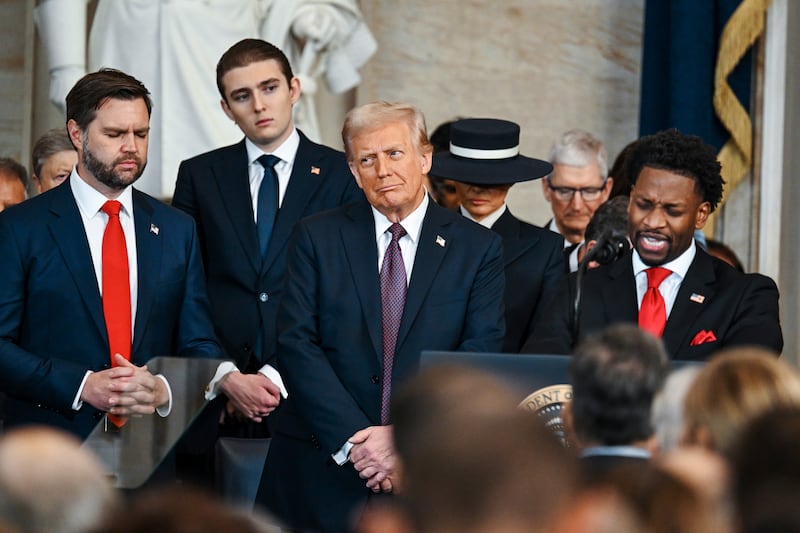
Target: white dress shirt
x: 90, y: 203
x: 408, y: 248
x: 670, y: 286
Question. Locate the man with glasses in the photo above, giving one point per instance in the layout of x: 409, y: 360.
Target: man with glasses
x: 577, y: 186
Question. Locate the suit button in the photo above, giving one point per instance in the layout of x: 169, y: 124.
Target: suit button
x: 246, y: 348
x: 263, y: 297
x: 375, y: 379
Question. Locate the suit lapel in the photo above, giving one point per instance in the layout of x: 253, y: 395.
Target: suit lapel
x: 699, y: 280
x: 69, y: 234
x: 431, y: 250
x: 360, y: 247
x: 308, y: 173
x: 148, y: 259
x: 233, y: 181
x: 508, y: 227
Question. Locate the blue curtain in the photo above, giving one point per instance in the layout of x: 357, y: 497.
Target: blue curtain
x: 681, y: 39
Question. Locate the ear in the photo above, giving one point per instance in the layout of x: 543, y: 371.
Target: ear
x: 609, y: 185
x: 354, y: 172
x: 294, y: 89
x: 703, y: 212
x: 75, y: 134
x: 427, y: 160
x: 224, y: 105
x: 545, y: 189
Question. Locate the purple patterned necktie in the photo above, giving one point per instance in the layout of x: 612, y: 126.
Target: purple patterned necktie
x: 393, y: 299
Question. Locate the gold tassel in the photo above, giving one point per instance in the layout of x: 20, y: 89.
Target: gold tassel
x: 736, y: 156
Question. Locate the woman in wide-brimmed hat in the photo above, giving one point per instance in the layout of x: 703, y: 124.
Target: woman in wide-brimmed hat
x: 485, y: 162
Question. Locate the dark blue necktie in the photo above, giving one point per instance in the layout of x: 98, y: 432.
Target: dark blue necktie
x: 393, y: 299
x: 267, y: 200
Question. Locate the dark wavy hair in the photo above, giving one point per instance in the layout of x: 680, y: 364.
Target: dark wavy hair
x: 615, y: 375
x: 685, y: 155
x: 96, y: 88
x: 249, y: 51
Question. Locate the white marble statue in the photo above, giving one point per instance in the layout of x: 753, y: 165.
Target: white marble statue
x: 173, y: 47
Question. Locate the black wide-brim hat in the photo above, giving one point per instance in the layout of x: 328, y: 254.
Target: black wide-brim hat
x: 485, y: 151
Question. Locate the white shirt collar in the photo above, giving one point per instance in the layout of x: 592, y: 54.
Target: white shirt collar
x: 680, y: 265
x: 489, y: 220
x: 90, y: 200
x: 412, y: 223
x: 285, y: 151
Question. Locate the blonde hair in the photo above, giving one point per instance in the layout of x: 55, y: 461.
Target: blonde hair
x: 735, y: 387
x: 372, y: 116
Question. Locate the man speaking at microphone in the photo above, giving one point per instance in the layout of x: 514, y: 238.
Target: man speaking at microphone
x: 667, y: 284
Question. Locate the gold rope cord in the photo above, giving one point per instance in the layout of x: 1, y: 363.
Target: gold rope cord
x: 736, y: 156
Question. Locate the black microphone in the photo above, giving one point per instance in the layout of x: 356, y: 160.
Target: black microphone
x: 607, y: 249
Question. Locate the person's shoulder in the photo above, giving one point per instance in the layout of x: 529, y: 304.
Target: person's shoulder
x: 33, y: 209
x: 206, y: 158
x: 320, y: 150
x: 337, y: 215
x: 531, y: 231
x: 159, y: 209
x: 727, y: 277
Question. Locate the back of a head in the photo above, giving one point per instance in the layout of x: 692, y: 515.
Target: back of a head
x: 579, y: 148
x: 471, y: 460
x: 183, y: 510
x: 13, y: 170
x: 615, y: 375
x: 733, y: 388
x: 48, y: 482
x: 667, y: 408
x: 611, y: 218
x: 766, y: 472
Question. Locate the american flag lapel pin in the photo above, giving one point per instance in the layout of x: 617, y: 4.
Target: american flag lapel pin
x: 440, y: 240
x: 697, y: 298
x: 315, y: 170
x: 154, y: 229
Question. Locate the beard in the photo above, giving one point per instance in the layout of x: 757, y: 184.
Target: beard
x: 106, y: 174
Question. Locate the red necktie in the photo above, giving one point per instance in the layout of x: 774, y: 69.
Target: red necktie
x: 653, y: 313
x: 393, y: 299
x: 116, y: 289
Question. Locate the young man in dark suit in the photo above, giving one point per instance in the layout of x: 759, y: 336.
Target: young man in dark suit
x: 96, y: 277
x: 484, y: 162
x: 224, y: 190
x: 667, y: 284
x: 370, y: 286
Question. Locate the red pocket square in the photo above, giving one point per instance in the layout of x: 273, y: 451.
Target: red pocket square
x: 703, y: 337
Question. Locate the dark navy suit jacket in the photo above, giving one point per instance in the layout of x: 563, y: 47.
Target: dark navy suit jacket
x: 739, y: 309
x: 244, y: 290
x: 533, y: 262
x: 52, y: 328
x: 330, y: 346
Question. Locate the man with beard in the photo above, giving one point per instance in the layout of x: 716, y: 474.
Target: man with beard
x: 667, y: 284
x: 96, y: 277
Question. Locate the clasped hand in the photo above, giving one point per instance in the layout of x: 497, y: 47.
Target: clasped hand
x: 255, y: 396
x: 373, y: 456
x: 125, y: 389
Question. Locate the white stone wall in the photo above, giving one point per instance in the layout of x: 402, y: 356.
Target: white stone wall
x: 550, y: 65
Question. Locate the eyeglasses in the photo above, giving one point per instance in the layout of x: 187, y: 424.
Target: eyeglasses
x: 565, y: 194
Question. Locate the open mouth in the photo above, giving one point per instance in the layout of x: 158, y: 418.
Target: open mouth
x: 652, y: 242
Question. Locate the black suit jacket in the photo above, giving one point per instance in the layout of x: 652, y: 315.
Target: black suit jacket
x: 533, y: 263
x: 52, y: 328
x: 244, y: 290
x: 739, y: 309
x: 330, y: 346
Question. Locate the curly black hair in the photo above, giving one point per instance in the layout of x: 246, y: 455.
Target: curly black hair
x: 685, y: 155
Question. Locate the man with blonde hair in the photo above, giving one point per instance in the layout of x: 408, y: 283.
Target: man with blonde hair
x: 354, y: 319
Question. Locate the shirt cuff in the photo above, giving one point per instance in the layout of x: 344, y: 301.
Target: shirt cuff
x: 77, y: 403
x: 165, y: 410
x: 343, y: 455
x: 224, y: 368
x: 275, y: 377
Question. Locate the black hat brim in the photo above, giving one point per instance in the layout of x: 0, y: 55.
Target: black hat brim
x: 488, y: 171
